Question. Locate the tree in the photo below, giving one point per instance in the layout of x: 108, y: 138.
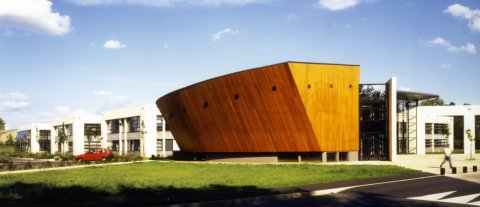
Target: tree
x: 10, y: 140
x: 142, y: 135
x: 62, y: 138
x: 470, y: 137
x: 451, y: 104
x: 433, y: 102
x: 2, y: 124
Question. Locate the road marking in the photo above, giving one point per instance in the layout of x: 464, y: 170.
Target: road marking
x: 432, y: 197
x: 337, y: 190
x: 461, y: 199
x: 437, y: 197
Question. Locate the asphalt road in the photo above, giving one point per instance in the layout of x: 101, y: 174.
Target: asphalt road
x: 433, y: 190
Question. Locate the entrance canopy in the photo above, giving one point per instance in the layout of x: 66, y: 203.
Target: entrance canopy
x: 414, y: 96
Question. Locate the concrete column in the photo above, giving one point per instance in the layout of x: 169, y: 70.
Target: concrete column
x: 392, y: 118
x: 164, y: 134
x: 125, y: 129
x: 324, y: 156
x: 120, y: 130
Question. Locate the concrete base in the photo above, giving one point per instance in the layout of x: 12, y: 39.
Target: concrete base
x: 268, y: 157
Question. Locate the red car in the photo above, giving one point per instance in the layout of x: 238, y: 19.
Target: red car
x: 95, y: 155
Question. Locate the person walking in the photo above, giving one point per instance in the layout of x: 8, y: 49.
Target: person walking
x: 448, y: 156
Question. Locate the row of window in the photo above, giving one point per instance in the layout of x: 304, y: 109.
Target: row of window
x: 436, y: 128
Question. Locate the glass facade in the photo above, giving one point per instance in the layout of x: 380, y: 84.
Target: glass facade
x: 373, y: 121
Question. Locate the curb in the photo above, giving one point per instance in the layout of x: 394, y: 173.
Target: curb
x: 70, y: 167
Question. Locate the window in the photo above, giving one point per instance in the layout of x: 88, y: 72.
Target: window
x: 69, y: 129
x: 134, y: 145
x: 440, y: 128
x: 115, y: 145
x: 428, y: 128
x: 134, y: 124
x: 160, y: 124
x: 113, y: 127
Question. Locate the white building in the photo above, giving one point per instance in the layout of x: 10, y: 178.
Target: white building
x: 35, y: 137
x: 83, y: 132
x: 433, y: 121
x: 138, y: 130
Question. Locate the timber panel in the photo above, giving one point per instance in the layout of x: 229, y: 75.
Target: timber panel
x: 330, y: 96
x: 267, y: 109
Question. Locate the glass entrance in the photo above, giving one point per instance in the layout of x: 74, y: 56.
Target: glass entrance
x: 373, y: 122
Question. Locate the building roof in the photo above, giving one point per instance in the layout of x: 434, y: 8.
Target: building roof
x: 414, y: 96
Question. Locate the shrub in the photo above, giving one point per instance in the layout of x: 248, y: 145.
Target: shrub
x: 46, y: 164
x: 28, y: 166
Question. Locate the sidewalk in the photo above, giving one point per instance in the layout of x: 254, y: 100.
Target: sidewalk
x: 431, y: 163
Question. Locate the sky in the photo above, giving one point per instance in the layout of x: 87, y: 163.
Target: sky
x: 72, y: 57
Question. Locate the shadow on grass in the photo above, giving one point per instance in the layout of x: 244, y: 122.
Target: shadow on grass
x: 21, y: 194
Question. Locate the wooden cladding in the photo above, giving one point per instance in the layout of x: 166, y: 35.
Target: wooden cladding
x: 287, y: 107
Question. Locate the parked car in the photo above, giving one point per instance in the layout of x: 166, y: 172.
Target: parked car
x: 95, y: 155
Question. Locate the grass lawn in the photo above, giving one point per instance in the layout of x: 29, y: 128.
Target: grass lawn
x: 171, y: 182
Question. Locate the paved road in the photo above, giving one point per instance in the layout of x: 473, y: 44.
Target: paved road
x: 434, y: 190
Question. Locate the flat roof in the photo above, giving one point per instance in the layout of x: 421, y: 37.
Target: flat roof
x: 410, y: 95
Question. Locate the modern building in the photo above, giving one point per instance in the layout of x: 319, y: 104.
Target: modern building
x: 137, y: 130
x: 308, y: 111
x: 82, y: 133
x: 441, y: 126
x: 34, y: 138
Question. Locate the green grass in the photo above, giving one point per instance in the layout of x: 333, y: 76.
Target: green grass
x: 170, y: 182
x: 7, y: 149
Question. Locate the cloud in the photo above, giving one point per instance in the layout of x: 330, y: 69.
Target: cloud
x: 402, y: 88
x: 14, y: 101
x: 291, y: 16
x: 468, y: 48
x: 445, y: 65
x: 62, y: 109
x: 113, y: 44
x: 337, y: 5
x: 33, y: 16
x: 219, y: 34
x: 168, y: 3
x: 102, y: 93
x: 472, y: 15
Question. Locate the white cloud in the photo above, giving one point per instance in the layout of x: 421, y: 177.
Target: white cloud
x: 291, y: 16
x: 113, y: 44
x: 14, y: 101
x: 219, y: 34
x: 33, y: 16
x: 402, y: 88
x: 165, y: 45
x: 62, y: 109
x: 445, y: 65
x: 102, y: 93
x: 472, y: 15
x: 468, y: 48
x: 168, y: 3
x: 337, y: 5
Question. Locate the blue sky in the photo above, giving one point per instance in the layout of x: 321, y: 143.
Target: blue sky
x: 65, y: 57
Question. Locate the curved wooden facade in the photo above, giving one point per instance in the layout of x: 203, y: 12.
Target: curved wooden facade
x: 286, y: 107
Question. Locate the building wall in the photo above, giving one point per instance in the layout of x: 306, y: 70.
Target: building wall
x: 427, y: 114
x: 34, y: 130
x: 148, y: 115
x: 78, y: 133
x: 287, y: 107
